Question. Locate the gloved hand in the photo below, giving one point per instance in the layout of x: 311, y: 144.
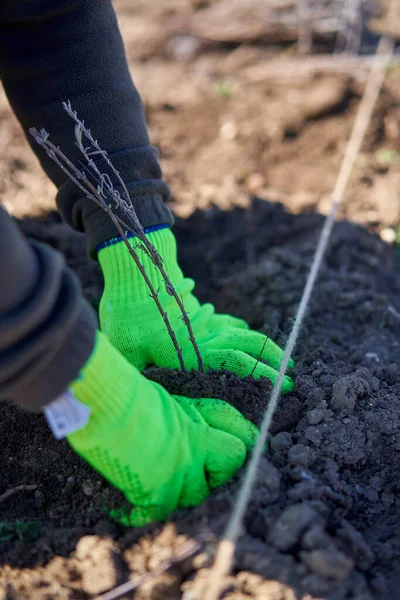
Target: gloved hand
x: 131, y: 320
x: 163, y: 452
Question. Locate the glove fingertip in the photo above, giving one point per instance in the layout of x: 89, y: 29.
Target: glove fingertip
x: 228, y: 455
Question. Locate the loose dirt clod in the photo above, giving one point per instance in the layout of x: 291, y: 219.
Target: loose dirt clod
x: 98, y: 561
x: 328, y: 563
x: 248, y: 395
x: 285, y: 534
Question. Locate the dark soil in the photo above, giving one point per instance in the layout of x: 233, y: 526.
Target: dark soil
x: 247, y: 395
x: 324, y: 517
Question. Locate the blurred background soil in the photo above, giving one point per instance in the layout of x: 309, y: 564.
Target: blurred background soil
x: 234, y: 118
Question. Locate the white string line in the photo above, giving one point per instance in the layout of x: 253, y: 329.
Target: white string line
x: 225, y: 554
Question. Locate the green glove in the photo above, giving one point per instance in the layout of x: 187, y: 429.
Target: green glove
x: 131, y: 320
x: 162, y: 451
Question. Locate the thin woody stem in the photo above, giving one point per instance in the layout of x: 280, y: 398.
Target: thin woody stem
x: 91, y: 192
x: 153, y: 292
x: 126, y: 205
x: 261, y: 353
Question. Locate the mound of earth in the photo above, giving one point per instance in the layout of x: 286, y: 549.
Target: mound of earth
x: 323, y: 521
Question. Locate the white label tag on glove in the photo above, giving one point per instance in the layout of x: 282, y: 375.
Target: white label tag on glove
x: 66, y: 415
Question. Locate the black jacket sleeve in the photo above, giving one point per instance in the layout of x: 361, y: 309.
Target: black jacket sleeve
x: 57, y: 50
x: 47, y: 329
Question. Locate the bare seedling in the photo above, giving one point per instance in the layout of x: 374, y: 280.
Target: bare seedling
x: 105, y: 195
x: 261, y: 351
x: 18, y: 488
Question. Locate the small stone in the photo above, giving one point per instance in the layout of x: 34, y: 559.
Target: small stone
x: 313, y: 434
x: 330, y: 563
x: 228, y: 130
x: 290, y: 526
x: 302, y: 455
x: 281, y: 441
x: 315, y: 416
x: 182, y: 46
x: 346, y: 390
x: 91, y: 486
x: 343, y: 397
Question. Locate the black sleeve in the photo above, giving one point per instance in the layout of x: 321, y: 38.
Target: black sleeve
x: 47, y: 329
x: 57, y: 50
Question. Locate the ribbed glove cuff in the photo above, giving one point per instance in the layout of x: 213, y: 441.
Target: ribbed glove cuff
x: 120, y: 270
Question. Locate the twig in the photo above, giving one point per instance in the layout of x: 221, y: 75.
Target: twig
x: 125, y: 204
x: 188, y: 550
x: 261, y: 351
x: 18, y: 488
x: 225, y: 554
x: 391, y: 309
x: 94, y: 194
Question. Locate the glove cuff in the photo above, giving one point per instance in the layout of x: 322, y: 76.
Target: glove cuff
x: 121, y: 273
